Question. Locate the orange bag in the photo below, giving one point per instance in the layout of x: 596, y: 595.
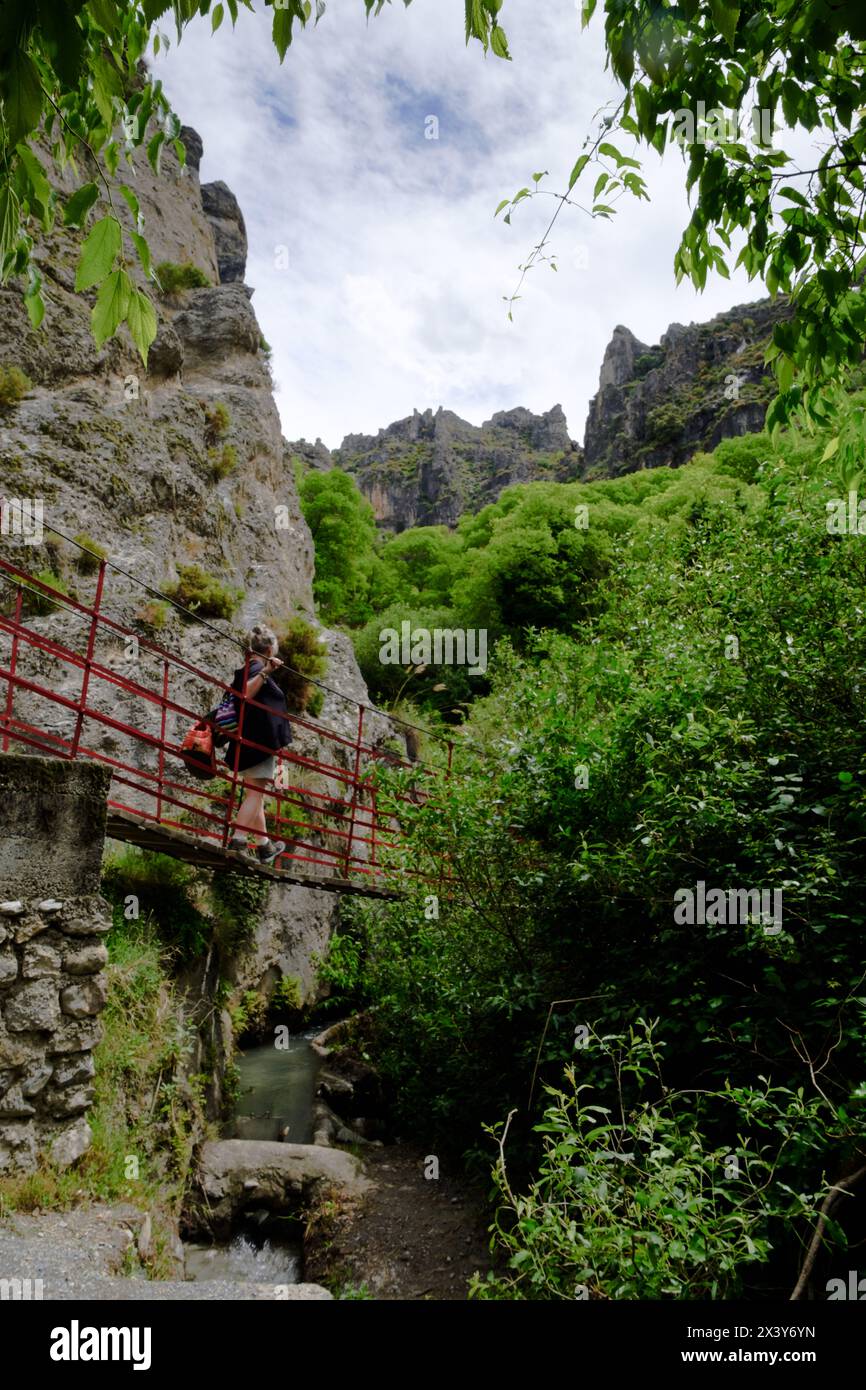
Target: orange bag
x: 197, y: 752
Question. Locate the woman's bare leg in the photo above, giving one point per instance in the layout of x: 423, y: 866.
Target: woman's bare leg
x: 251, y: 816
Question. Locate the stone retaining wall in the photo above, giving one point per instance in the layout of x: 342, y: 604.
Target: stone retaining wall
x: 52, y: 955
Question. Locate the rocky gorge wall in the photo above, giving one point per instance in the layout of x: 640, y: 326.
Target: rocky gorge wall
x: 656, y: 405
x: 52, y: 955
x: 702, y: 383
x: 431, y: 468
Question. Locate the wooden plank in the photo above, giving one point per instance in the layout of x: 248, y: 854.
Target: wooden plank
x: 179, y: 844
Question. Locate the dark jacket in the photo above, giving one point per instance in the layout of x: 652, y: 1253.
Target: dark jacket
x: 268, y: 727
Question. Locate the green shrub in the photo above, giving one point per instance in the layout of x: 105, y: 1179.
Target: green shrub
x: 173, y: 277
x: 249, y: 1015
x: 647, y: 362
x: 665, y: 424
x: 41, y: 604
x: 87, y: 559
x: 639, y: 1205
x: 286, y: 994
x: 217, y: 421
x: 301, y: 651
x: 153, y: 616
x: 238, y: 900
x: 222, y: 461
x: 201, y: 593
x: 166, y: 890
x: 14, y: 385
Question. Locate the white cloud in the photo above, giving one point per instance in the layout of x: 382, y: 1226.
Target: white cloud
x: 393, y: 293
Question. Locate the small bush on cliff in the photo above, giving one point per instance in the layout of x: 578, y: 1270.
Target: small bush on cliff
x: 88, y: 557
x: 39, y: 603
x: 304, y: 657
x: 238, y: 900
x: 249, y: 1015
x: 222, y: 461
x: 202, y: 594
x: 286, y: 994
x: 173, y: 277
x: 14, y: 385
x: 164, y: 889
x: 153, y: 616
x: 217, y: 421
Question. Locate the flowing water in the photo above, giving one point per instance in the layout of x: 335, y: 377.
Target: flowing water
x: 272, y: 1262
x: 275, y: 1101
x: 276, y: 1091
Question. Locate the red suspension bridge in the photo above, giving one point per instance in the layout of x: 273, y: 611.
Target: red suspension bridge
x: 77, y: 682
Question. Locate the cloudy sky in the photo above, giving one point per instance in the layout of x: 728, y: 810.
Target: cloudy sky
x: 379, y: 271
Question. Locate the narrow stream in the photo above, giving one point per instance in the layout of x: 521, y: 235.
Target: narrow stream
x: 276, y: 1092
x: 275, y: 1101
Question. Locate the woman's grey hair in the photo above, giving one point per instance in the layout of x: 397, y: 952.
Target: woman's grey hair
x: 261, y: 639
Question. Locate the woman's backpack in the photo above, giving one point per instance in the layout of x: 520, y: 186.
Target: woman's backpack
x: 197, y: 751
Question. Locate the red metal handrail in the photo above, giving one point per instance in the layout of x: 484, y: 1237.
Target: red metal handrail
x: 336, y: 827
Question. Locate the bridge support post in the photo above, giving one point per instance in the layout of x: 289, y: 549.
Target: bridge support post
x: 52, y: 957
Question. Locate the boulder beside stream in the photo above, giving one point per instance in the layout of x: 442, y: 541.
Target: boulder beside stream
x: 237, y: 1175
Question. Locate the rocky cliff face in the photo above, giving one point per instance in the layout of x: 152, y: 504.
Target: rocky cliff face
x: 180, y: 464
x: 430, y: 468
x: 656, y: 405
x: 696, y: 386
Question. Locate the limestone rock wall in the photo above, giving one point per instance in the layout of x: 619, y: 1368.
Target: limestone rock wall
x: 432, y: 467
x: 701, y: 383
x: 52, y: 955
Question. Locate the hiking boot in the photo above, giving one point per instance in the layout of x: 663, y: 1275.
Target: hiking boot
x: 240, y: 847
x: 270, y: 851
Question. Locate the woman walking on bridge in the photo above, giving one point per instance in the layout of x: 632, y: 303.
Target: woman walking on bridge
x: 268, y: 727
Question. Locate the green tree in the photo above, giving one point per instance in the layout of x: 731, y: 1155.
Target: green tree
x: 344, y: 530
x: 538, y: 569
x: 419, y: 565
x: 705, y: 724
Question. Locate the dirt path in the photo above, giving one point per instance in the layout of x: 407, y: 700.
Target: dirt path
x: 409, y: 1238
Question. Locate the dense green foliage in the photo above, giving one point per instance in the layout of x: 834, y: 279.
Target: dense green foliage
x: 638, y: 1205
x: 693, y: 715
x: 537, y: 557
x: 343, y: 531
